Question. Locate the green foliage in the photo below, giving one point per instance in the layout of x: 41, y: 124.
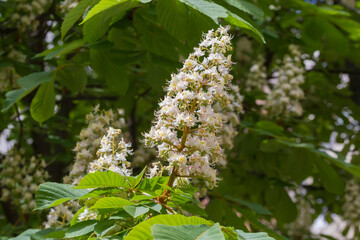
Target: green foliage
x: 51, y: 194
x: 143, y: 229
x: 28, y: 84
x: 111, y: 202
x: 119, y: 54
x: 256, y: 236
x: 183, y: 232
x: 103, y: 180
x: 43, y: 104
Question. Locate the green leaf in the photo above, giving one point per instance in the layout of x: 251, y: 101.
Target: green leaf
x: 122, y: 214
x: 104, y: 227
x: 154, y: 38
x: 73, y: 77
x: 136, y: 211
x: 280, y: 204
x: 65, y: 49
x: 210, y: 9
x: 43, y: 104
x: 176, y: 16
x: 73, y: 15
x: 139, y: 177
x: 150, y: 185
x: 114, y: 74
x: 141, y: 197
x: 246, y: 7
x: 107, y: 4
x: 329, y: 177
x: 154, y: 206
x: 257, y: 208
x: 350, y: 26
x: 59, y: 234
x: 253, y: 236
x: 33, y: 234
x: 143, y: 230
x: 111, y: 203
x: 246, y: 26
x: 103, y: 179
x: 28, y: 84
x: 81, y: 229
x: 101, y: 16
x: 253, y: 221
x: 187, y: 232
x: 51, y: 194
x: 339, y: 162
x: 194, y: 209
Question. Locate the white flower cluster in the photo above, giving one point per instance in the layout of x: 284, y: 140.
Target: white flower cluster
x: 257, y: 76
x: 351, y: 205
x: 27, y: 12
x: 231, y: 117
x: 8, y: 75
x: 284, y: 97
x: 20, y: 179
x: 90, y: 139
x: 87, y: 214
x: 187, y: 127
x: 112, y: 154
x: 59, y: 215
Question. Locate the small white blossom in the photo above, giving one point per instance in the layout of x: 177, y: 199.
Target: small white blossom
x: 256, y: 79
x: 20, y: 178
x: 112, y: 154
x: 351, y: 206
x: 88, y: 214
x: 284, y: 98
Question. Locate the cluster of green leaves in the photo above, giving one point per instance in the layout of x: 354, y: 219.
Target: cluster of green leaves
x: 129, y: 208
x: 107, y: 16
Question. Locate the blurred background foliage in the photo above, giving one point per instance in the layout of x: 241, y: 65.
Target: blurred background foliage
x: 285, y: 175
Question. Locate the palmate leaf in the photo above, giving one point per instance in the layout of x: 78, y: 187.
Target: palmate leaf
x: 143, y: 229
x: 51, y: 194
x: 187, y: 232
x: 102, y: 180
